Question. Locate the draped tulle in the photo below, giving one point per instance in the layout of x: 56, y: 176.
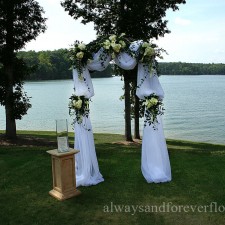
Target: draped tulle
x: 87, y: 170
x: 100, y: 61
x: 148, y: 82
x: 125, y: 61
x: 84, y: 86
x: 155, y: 164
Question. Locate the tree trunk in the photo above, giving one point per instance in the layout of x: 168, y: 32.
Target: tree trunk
x: 136, y: 105
x: 136, y: 118
x: 9, y: 74
x: 10, y: 121
x: 128, y: 135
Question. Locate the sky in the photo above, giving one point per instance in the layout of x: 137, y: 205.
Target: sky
x: 197, y: 31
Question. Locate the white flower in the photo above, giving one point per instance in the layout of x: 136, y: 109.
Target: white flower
x: 154, y: 101
x: 77, y: 104
x: 106, y: 44
x: 151, y: 102
x: 113, y: 44
x: 112, y: 38
x: 123, y: 44
x: 80, y: 55
x: 82, y: 46
x: 149, y: 51
x: 116, y: 48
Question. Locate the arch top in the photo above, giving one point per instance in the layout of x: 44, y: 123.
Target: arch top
x: 123, y: 51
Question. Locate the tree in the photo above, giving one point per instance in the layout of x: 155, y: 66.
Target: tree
x: 20, y: 22
x: 138, y: 19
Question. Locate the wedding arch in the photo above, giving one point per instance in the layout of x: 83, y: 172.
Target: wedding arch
x: 96, y: 56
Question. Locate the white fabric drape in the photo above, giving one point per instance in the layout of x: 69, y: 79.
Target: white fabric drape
x: 87, y: 169
x: 125, y: 61
x: 100, y: 61
x: 148, y: 83
x: 83, y: 87
x: 155, y: 164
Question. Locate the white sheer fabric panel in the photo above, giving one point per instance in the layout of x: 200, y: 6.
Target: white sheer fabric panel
x: 83, y: 87
x: 155, y: 163
x: 148, y: 83
x: 87, y: 170
x: 125, y: 61
x: 98, y: 63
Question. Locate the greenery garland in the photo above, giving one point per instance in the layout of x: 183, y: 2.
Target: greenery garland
x: 111, y: 45
x: 153, y: 107
x: 114, y: 45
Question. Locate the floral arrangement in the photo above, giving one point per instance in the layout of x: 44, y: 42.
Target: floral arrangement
x: 78, y: 106
x: 112, y: 45
x: 79, y: 56
x: 153, y: 107
x: 115, y: 44
x: 146, y: 52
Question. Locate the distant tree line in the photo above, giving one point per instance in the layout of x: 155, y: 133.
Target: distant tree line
x: 179, y: 68
x: 51, y: 65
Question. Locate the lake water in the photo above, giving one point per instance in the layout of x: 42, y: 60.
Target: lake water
x: 195, y: 106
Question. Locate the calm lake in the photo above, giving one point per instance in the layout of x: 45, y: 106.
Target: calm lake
x: 195, y: 107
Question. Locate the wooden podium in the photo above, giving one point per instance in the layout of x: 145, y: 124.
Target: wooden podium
x: 63, y: 174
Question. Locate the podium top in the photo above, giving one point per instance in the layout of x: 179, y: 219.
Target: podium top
x: 56, y: 153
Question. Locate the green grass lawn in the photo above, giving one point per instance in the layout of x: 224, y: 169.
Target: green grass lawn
x: 198, y: 179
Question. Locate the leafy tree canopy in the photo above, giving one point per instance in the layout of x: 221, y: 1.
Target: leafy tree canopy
x: 20, y: 22
x: 118, y: 16
x: 23, y: 18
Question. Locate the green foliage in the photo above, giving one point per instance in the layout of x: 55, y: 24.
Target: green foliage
x: 154, y: 107
x: 27, y: 19
x: 79, y: 107
x: 52, y: 65
x: 20, y: 22
x: 138, y: 19
x: 57, y: 66
x: 47, y: 65
x: 21, y: 102
x: 179, y: 68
